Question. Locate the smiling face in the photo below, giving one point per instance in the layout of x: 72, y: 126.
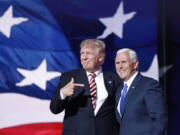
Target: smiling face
x: 91, y: 58
x: 125, y: 67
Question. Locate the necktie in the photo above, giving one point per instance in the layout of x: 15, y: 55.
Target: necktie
x: 93, y: 89
x: 123, y: 94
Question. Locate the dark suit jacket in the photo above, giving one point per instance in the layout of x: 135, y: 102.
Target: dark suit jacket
x: 144, y: 108
x: 79, y: 116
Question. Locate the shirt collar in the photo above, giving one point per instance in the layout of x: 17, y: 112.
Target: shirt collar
x: 129, y: 82
x: 97, y: 72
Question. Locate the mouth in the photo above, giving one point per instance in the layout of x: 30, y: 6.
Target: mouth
x: 121, y: 71
x: 84, y: 63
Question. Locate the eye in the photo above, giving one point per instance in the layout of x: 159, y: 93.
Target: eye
x: 123, y: 62
x: 117, y: 63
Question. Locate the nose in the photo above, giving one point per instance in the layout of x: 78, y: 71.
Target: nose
x: 120, y: 65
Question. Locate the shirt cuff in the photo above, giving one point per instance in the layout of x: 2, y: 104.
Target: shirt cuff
x: 62, y: 96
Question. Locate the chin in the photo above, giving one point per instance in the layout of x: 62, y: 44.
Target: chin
x: 122, y: 77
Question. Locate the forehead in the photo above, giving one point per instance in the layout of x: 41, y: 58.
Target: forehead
x: 88, y: 48
x: 122, y: 56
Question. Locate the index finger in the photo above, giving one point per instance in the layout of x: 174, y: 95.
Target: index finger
x: 79, y: 84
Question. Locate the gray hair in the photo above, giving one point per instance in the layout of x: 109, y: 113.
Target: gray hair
x: 132, y: 54
x: 99, y: 44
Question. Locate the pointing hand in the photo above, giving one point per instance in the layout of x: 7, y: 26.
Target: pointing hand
x: 68, y: 89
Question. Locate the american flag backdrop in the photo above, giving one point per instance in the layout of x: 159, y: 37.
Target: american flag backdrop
x: 39, y: 39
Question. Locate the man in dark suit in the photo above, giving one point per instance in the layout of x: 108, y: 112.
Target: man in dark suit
x: 140, y: 104
x: 88, y: 94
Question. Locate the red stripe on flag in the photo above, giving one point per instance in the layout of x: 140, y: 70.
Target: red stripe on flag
x: 54, y: 128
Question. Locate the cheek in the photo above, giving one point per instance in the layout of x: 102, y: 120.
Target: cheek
x: 117, y: 68
x: 95, y: 60
x: 81, y: 57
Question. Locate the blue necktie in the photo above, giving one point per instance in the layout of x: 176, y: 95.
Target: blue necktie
x: 123, y: 94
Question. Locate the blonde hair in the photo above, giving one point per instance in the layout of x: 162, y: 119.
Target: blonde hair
x: 99, y: 44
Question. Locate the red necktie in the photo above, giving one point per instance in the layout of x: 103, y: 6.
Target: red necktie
x: 93, y: 89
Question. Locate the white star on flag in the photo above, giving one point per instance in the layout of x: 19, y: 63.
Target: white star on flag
x: 153, y: 70
x: 7, y: 21
x: 115, y: 24
x: 38, y: 76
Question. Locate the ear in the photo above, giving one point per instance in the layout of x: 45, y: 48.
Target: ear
x: 136, y: 64
x: 101, y: 58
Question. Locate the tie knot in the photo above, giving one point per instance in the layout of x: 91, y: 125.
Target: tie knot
x: 125, y: 89
x: 93, y: 75
x: 125, y: 85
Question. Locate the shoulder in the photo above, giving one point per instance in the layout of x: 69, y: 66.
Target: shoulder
x: 113, y: 76
x: 75, y: 73
x: 148, y: 81
x: 110, y: 74
x: 72, y: 72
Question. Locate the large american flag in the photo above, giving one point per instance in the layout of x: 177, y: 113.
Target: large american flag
x: 39, y: 39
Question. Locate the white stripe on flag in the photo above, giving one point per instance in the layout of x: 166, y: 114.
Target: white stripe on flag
x: 19, y: 109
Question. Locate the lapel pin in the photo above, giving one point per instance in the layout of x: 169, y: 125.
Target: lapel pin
x: 110, y: 82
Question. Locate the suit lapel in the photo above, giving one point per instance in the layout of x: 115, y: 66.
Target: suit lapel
x: 118, y: 95
x: 131, y: 91
x: 109, y: 86
x: 108, y: 83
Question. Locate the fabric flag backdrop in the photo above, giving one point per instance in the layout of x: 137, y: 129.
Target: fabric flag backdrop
x: 39, y: 39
